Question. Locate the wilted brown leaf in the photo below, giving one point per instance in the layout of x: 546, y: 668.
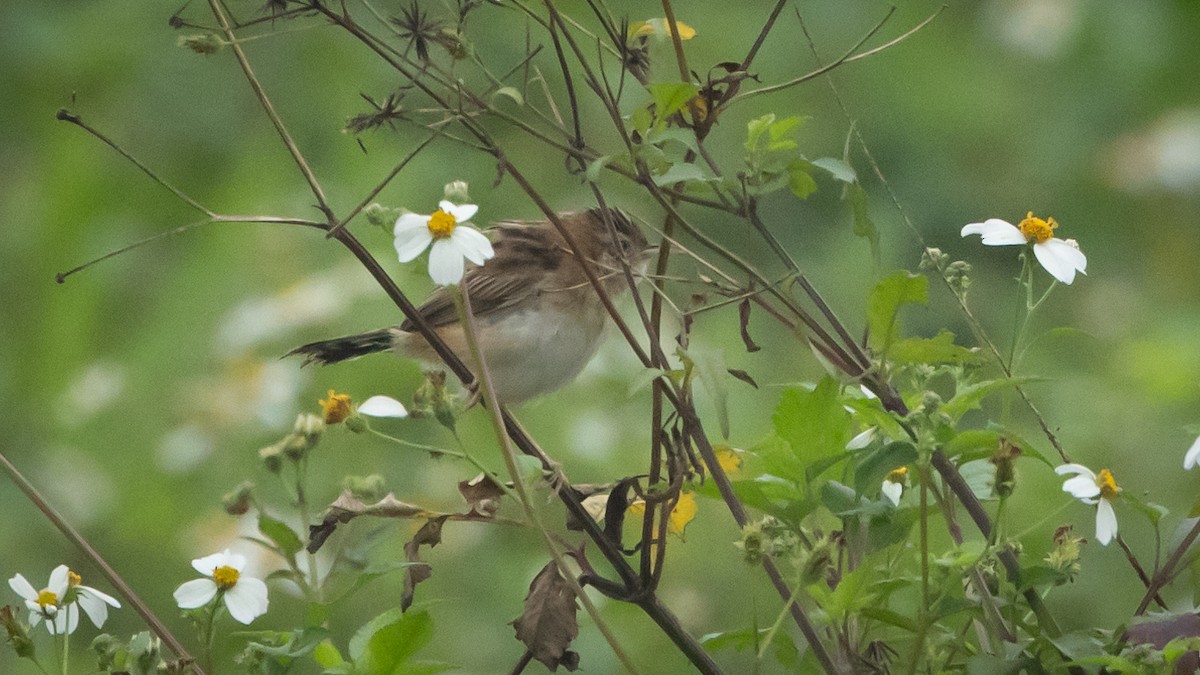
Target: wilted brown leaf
x: 348, y: 507
x: 430, y: 535
x: 483, y: 495
x: 547, y: 626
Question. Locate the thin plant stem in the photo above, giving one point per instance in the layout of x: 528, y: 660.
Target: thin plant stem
x: 462, y: 302
x: 1164, y: 575
x: 123, y: 589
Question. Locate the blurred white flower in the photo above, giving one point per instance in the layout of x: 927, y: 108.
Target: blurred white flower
x: 1094, y: 489
x: 244, y: 597
x: 452, y: 238
x: 1192, y: 458
x: 382, y: 406
x: 1061, y: 258
x: 94, y: 603
x: 862, y: 440
x: 893, y: 485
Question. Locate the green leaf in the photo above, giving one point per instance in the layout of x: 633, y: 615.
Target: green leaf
x: 837, y: 168
x: 386, y: 643
x: 327, y: 655
x: 970, y: 396
x: 888, y: 296
x: 509, y: 92
x: 683, y: 173
x: 670, y: 97
x: 755, y: 128
x: 813, y: 422
x: 710, y: 367
x: 800, y: 181
x: 641, y: 119
x: 596, y: 167
x: 872, y: 469
x: 685, y: 137
x: 284, y: 537
x: 864, y: 227
x: 933, y: 351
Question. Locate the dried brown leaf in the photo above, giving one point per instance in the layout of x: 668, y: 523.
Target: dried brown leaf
x: 348, y: 507
x: 483, y: 495
x: 429, y: 535
x: 547, y: 626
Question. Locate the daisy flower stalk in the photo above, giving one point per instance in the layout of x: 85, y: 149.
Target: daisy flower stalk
x: 1097, y: 490
x: 448, y: 235
x: 1060, y: 257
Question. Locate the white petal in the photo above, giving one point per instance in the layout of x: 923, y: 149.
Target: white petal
x: 1060, y: 259
x: 461, y: 212
x: 382, y: 406
x: 23, y: 588
x: 1074, y: 469
x: 59, y: 583
x: 409, y: 222
x: 473, y: 244
x: 35, y: 613
x: 1106, y: 522
x: 246, y: 600
x: 195, y: 593
x: 103, y: 597
x: 94, y: 608
x: 208, y: 563
x: 36, y: 609
x: 892, y: 491
x: 445, y: 263
x: 1191, y: 459
x: 1081, y: 487
x: 410, y: 243
x: 65, y: 622
x: 862, y: 440
x: 995, y: 232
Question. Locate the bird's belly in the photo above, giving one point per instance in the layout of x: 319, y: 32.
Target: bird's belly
x: 532, y: 352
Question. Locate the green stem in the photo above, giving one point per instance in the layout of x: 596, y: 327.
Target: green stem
x: 923, y: 613
x: 209, y: 635
x: 466, y: 457
x: 314, y: 581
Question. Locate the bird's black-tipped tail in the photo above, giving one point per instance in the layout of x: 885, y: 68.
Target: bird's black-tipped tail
x: 326, y: 352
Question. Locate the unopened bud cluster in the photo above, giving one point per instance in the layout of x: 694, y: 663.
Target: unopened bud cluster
x: 957, y: 273
x: 767, y: 538
x: 433, y: 400
x: 295, y: 446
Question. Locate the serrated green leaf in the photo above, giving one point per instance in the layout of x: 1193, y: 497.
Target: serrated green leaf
x: 755, y: 128
x: 386, y: 643
x: 837, y: 168
x: 888, y: 296
x: 670, y: 97
x: 780, y: 129
x: 814, y: 423
x: 933, y: 351
x: 970, y: 396
x: 281, y: 535
x: 710, y: 368
x: 685, y: 137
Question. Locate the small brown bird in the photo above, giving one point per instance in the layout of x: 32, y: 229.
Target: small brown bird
x: 539, y: 319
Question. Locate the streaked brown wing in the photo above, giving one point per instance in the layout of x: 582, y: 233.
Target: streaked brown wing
x: 489, y: 293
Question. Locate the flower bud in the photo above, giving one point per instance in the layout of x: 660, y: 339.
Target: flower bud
x: 310, y: 427
x: 18, y: 634
x: 238, y: 501
x: 272, y: 457
x: 356, y: 423
x: 207, y: 43
x: 456, y: 192
x: 367, y: 488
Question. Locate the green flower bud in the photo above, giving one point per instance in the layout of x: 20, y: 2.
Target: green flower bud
x: 207, y: 43
x: 238, y: 501
x: 367, y: 488
x: 356, y: 423
x: 272, y: 457
x: 456, y: 192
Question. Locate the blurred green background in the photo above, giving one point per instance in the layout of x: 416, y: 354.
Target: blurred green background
x: 138, y: 392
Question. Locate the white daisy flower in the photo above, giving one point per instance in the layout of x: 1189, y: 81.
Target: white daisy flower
x: 1060, y: 257
x: 1094, y: 489
x: 862, y: 439
x: 1192, y: 458
x: 60, y: 601
x: 452, y: 237
x: 382, y: 406
x: 244, y: 597
x: 893, y: 485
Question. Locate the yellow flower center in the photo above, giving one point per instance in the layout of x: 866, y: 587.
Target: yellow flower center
x: 335, y: 408
x: 73, y: 579
x: 1036, y: 228
x: 1107, y: 484
x: 897, y: 475
x: 441, y: 224
x: 47, y: 598
x: 226, y: 577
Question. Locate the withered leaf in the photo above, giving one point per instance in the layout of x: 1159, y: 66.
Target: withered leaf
x: 743, y: 376
x: 547, y: 626
x: 430, y: 535
x: 348, y: 507
x: 744, y: 319
x: 483, y: 495
x: 614, y: 511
